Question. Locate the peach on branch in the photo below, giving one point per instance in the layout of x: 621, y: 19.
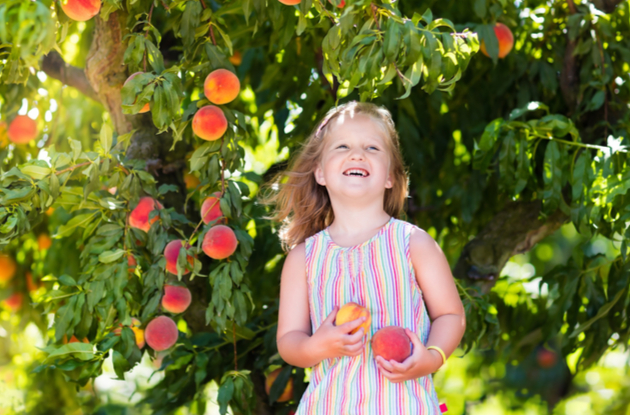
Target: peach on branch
x: 43, y: 241
x: 176, y: 299
x: 14, y: 302
x: 287, y: 393
x: 341, y: 5
x: 146, y: 107
x: 191, y: 181
x: 4, y: 139
x: 290, y: 2
x: 139, y: 217
x: 209, y: 123
x: 30, y: 283
x: 7, y: 268
x: 22, y: 130
x: 546, y: 358
x: 171, y: 253
x: 161, y: 333
x: 81, y: 10
x: 352, y: 311
x: 219, y: 242
x: 211, y: 208
x: 391, y: 343
x: 73, y: 339
x: 221, y: 86
x: 505, y: 38
x: 137, y: 331
x: 236, y: 59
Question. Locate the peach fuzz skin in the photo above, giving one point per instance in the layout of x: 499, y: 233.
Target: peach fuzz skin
x: 139, y: 217
x: 161, y: 333
x: 146, y: 107
x: 290, y: 2
x: 221, y: 86
x: 22, y: 130
x: 505, y: 38
x: 352, y: 311
x: 176, y: 299
x: 219, y: 242
x: 209, y: 123
x: 391, y: 343
x: 171, y: 253
x: 211, y: 208
x: 7, y: 268
x: 287, y: 393
x: 81, y: 10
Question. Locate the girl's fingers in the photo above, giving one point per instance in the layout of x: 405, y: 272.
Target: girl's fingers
x: 385, y: 364
x: 356, y: 337
x: 331, y: 317
x: 414, y: 340
x: 351, y: 325
x: 401, y: 367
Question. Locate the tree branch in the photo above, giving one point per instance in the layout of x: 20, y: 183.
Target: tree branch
x: 54, y: 66
x: 514, y: 230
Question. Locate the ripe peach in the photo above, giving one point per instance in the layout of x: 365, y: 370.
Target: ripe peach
x: 44, y: 241
x: 191, y: 181
x: 288, y: 390
x: 137, y: 331
x: 391, y: 342
x: 505, y: 38
x: 14, y: 302
x: 176, y: 299
x: 131, y: 262
x: 236, y: 59
x: 290, y: 2
x: 211, y: 208
x: 146, y: 107
x: 139, y: 217
x: 161, y: 333
x: 22, y: 130
x: 352, y: 311
x: 73, y: 339
x: 221, y: 86
x: 81, y: 10
x: 7, y: 268
x: 171, y: 253
x: 546, y: 358
x: 341, y: 5
x: 209, y: 123
x: 50, y: 211
x: 219, y: 242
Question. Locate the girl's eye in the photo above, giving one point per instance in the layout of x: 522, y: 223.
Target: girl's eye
x: 343, y: 145
x: 375, y: 148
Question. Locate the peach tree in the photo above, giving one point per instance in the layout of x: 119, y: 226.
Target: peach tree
x: 135, y: 138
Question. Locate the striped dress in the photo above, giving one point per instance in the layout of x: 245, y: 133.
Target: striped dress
x: 376, y: 274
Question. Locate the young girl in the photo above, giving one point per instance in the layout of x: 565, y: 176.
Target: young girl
x: 338, y: 207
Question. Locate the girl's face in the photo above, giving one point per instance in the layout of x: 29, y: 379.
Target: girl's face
x: 355, y: 159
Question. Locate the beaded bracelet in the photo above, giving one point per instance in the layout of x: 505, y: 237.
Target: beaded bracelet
x: 439, y: 351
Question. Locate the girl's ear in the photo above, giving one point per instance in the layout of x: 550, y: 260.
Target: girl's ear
x: 389, y: 183
x: 319, y: 175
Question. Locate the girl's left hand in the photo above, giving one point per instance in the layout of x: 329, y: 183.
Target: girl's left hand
x: 422, y: 362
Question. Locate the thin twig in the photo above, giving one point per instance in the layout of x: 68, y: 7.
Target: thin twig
x: 330, y: 16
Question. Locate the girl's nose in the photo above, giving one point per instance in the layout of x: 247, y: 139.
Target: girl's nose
x: 357, y: 155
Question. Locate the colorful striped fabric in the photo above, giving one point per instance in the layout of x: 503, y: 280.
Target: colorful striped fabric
x: 377, y: 274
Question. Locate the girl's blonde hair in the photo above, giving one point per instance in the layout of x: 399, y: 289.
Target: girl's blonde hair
x: 302, y: 204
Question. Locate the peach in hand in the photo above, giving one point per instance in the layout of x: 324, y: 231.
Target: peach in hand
x: 287, y: 393
x: 161, y: 333
x: 391, y: 343
x: 505, y: 38
x: 221, y: 86
x: 176, y: 299
x: 146, y: 107
x: 211, y: 208
x: 219, y: 242
x: 139, y: 217
x: 209, y: 123
x: 7, y: 268
x: 22, y: 130
x: 81, y: 10
x: 352, y: 311
x: 171, y: 253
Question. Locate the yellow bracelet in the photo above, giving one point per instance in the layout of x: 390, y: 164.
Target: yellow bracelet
x: 439, y: 351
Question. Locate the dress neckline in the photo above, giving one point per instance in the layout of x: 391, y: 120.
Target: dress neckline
x: 332, y: 243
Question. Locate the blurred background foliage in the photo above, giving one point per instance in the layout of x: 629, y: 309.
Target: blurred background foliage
x: 518, y: 168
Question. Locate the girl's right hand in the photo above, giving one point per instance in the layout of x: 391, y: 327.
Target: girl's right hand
x: 330, y: 341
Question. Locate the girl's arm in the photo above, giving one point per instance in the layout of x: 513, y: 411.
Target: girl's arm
x: 296, y: 345
x: 439, y: 292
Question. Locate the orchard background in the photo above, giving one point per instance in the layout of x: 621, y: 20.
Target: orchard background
x: 518, y: 167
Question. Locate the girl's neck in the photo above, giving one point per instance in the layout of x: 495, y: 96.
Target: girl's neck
x: 354, y: 225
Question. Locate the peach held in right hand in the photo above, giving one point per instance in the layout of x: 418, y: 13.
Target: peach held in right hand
x: 334, y: 341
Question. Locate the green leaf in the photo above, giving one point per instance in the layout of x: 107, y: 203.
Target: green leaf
x: 78, y: 221
x: 226, y: 391
x: 552, y: 176
x: 78, y: 350
x: 480, y: 8
x: 110, y: 256
x: 279, y: 384
x: 35, y: 172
